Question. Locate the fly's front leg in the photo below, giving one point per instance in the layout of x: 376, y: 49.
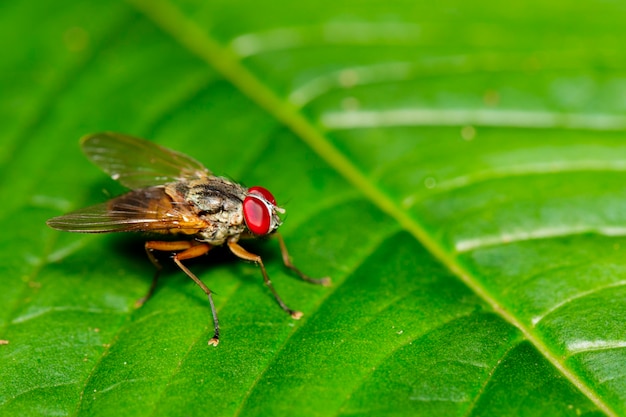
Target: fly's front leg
x: 287, y: 261
x: 190, y: 249
x: 244, y: 254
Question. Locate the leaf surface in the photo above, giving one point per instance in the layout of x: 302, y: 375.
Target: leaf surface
x: 458, y: 170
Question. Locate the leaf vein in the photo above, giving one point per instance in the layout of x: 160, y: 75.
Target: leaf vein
x: 538, y: 318
x: 492, y: 371
x: 505, y: 238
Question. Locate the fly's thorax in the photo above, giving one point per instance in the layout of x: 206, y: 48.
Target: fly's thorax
x: 213, y: 194
x: 217, y: 201
x: 218, y: 234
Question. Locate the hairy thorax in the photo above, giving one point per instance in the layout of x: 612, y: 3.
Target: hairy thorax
x: 215, y: 200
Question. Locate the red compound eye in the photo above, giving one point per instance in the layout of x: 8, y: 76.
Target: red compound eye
x: 263, y: 192
x: 257, y: 214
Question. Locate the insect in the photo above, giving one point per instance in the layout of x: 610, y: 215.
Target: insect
x: 175, y: 197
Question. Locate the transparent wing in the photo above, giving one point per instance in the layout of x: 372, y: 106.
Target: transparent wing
x: 145, y: 210
x: 138, y: 163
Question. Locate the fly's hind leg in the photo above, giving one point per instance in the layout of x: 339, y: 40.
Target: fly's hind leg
x: 150, y: 247
x: 244, y: 254
x: 157, y: 272
x: 187, y: 250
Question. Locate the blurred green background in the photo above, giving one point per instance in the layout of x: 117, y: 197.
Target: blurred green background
x: 457, y: 168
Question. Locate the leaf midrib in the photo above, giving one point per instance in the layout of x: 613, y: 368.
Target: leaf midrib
x: 192, y: 37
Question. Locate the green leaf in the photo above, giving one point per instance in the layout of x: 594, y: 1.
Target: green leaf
x: 457, y: 168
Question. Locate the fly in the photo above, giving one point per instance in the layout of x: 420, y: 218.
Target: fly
x: 172, y: 194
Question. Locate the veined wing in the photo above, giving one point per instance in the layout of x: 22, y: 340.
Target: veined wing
x: 145, y: 210
x: 138, y: 163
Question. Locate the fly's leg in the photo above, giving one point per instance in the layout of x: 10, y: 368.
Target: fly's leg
x: 194, y: 252
x: 189, y: 250
x: 150, y: 247
x: 155, y: 279
x: 287, y: 261
x: 244, y: 254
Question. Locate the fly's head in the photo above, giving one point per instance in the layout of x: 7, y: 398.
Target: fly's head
x: 260, y: 211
